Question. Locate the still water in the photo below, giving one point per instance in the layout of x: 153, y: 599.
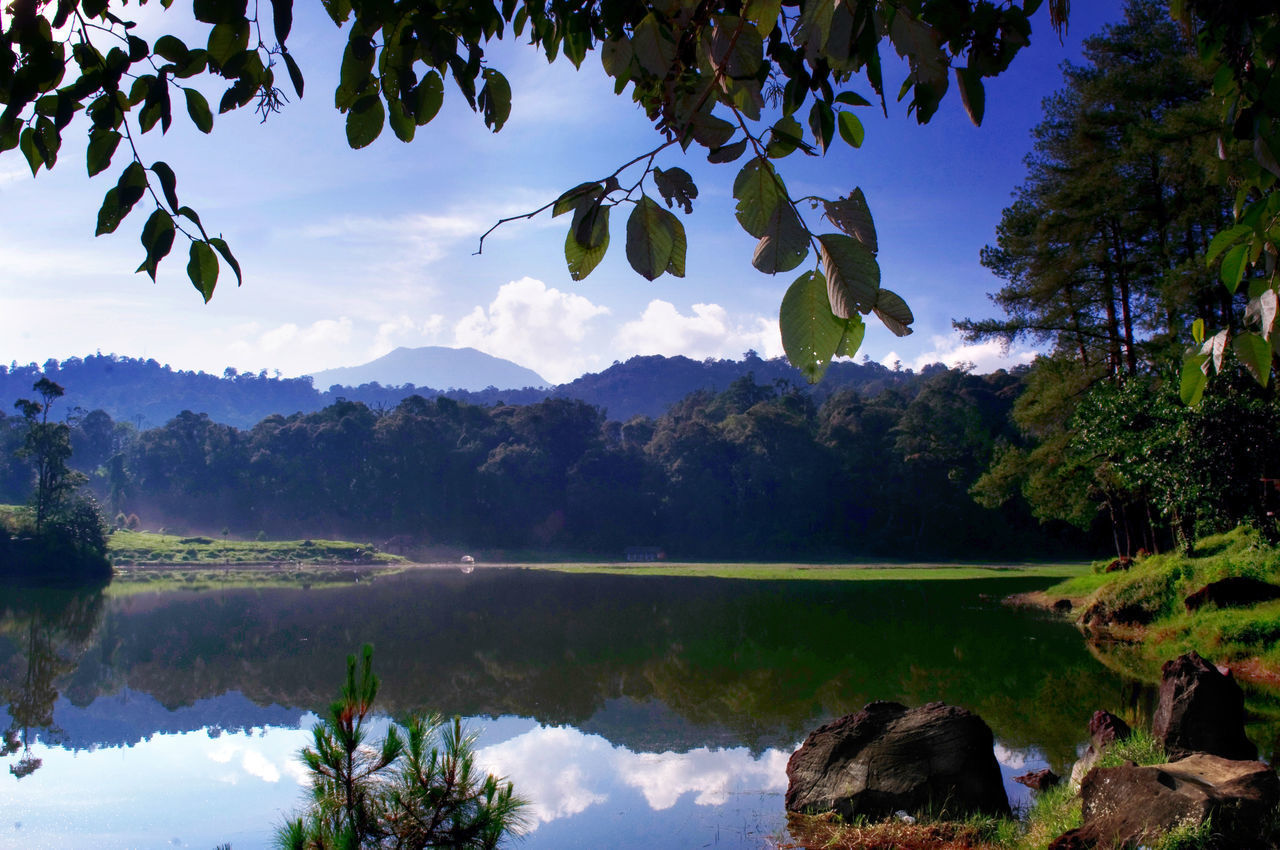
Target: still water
x: 631, y: 712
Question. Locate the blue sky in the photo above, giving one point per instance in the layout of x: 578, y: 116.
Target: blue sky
x: 348, y: 254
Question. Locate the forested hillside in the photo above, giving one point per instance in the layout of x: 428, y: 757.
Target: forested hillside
x: 149, y: 394
x: 756, y: 471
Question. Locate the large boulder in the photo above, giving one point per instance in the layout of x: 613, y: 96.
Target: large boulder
x: 887, y: 758
x: 1232, y: 592
x: 1129, y: 806
x: 1200, y: 709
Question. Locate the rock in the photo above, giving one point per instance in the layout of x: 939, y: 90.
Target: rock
x: 1200, y: 709
x: 1119, y: 565
x: 1104, y: 730
x: 1062, y: 606
x: 886, y: 758
x: 1039, y: 780
x: 1233, y: 592
x: 1128, y: 806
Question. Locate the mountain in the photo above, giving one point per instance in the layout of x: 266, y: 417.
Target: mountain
x: 433, y: 366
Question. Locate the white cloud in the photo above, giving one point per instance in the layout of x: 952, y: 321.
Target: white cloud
x: 404, y: 330
x: 712, y: 775
x: 708, y: 332
x: 953, y: 351
x: 256, y: 764
x: 534, y: 325
x: 553, y: 767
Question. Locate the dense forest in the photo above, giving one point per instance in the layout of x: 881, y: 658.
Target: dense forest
x: 756, y: 471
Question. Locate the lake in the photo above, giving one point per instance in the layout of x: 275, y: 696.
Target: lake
x: 632, y: 712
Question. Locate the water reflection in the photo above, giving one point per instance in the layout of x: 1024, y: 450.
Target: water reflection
x: 647, y: 708
x: 52, y: 627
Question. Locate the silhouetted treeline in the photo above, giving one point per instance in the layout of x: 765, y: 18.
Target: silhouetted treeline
x: 148, y: 394
x: 756, y: 471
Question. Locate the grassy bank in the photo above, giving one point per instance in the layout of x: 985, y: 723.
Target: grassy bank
x: 1143, y: 608
x: 831, y: 572
x: 144, y: 548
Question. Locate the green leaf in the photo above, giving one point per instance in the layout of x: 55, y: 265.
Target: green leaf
x: 972, y: 94
x: 1234, y: 263
x: 679, y: 245
x: 157, y: 239
x: 676, y: 187
x: 728, y: 153
x: 579, y: 196
x: 282, y: 21
x: 654, y: 48
x: 295, y: 73
x: 110, y: 213
x: 1224, y: 239
x: 171, y: 48
x: 402, y: 123
x: 28, y: 147
x: 650, y: 238
x: 852, y: 340
x: 198, y: 109
x: 582, y: 258
x: 616, y: 56
x: 202, y: 269
x: 228, y: 39
x: 852, y: 215
x: 734, y: 47
x: 822, y: 123
x: 853, y: 275
x: 784, y: 137
x: 428, y: 95
x: 894, y: 312
x: 851, y: 129
x: 221, y: 246
x: 1191, y: 387
x: 850, y: 98
x: 764, y: 14
x: 1255, y: 353
x: 168, y: 183
x: 758, y: 191
x: 784, y: 244
x: 811, y: 334
x: 495, y: 99
x: 364, y: 121
x: 1197, y: 331
x: 102, y: 146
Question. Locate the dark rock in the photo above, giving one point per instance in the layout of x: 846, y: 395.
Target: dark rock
x: 1233, y: 592
x: 1128, y: 806
x: 1039, y: 780
x: 887, y: 758
x: 1119, y: 565
x: 1104, y: 730
x: 1200, y: 709
x: 1062, y: 606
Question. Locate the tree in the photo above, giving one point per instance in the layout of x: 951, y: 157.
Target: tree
x: 705, y: 74
x: 418, y: 788
x: 48, y: 446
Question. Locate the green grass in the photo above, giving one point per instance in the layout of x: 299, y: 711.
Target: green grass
x: 1159, y: 584
x: 142, y: 548
x: 1141, y: 748
x: 829, y: 572
x: 1053, y: 812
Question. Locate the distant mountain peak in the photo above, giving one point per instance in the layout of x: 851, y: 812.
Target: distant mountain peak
x: 435, y: 367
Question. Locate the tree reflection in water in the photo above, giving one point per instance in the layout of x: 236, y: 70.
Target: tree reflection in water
x: 49, y: 629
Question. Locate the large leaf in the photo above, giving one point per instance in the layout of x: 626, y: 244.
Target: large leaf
x: 202, y: 269
x: 198, y: 109
x: 1262, y: 311
x: 650, y: 238
x: 157, y: 239
x: 785, y: 243
x: 1234, y: 262
x: 102, y: 146
x: 853, y: 216
x: 676, y: 187
x: 364, y: 121
x: 582, y: 258
x: 811, y: 335
x: 1255, y: 353
x: 653, y: 46
x: 495, y: 99
x: 853, y: 275
x: 758, y: 190
x: 894, y: 312
x: 1194, y: 379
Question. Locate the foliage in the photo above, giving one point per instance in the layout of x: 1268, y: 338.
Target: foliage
x: 705, y: 74
x: 140, y: 548
x: 1141, y: 747
x: 418, y: 787
x: 1240, y: 43
x: 1158, y: 585
x: 1053, y: 812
